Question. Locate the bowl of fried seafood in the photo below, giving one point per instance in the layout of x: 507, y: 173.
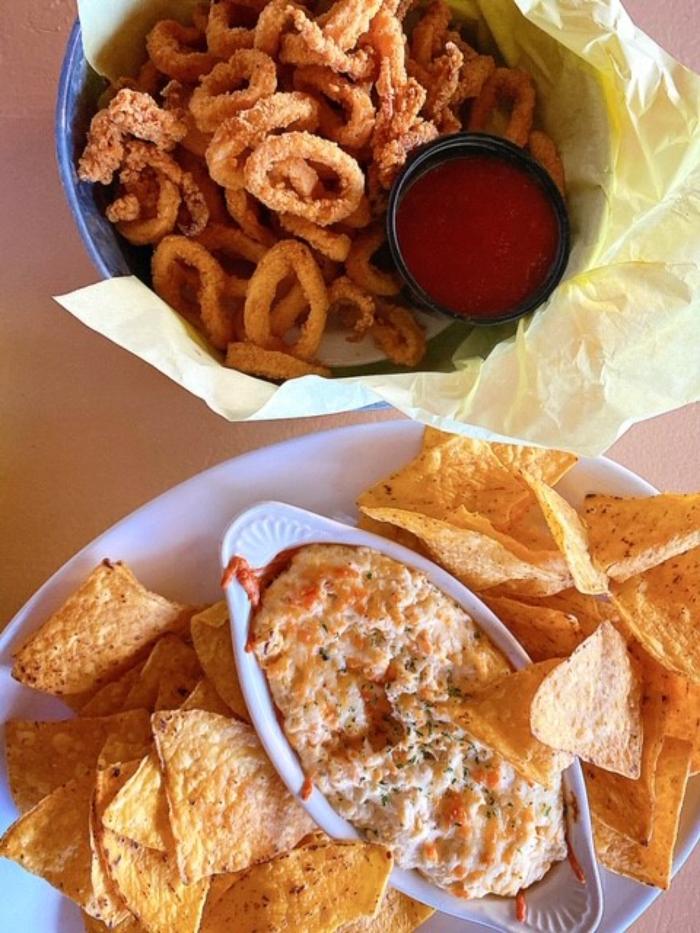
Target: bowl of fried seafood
x: 244, y: 172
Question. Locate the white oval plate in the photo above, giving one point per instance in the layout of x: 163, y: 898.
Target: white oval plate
x: 559, y: 901
x: 172, y: 543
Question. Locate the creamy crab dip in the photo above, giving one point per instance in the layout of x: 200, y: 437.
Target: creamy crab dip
x: 364, y: 658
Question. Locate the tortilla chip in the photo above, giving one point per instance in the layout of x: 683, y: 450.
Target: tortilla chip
x: 112, y: 697
x: 211, y: 638
x: 626, y: 805
x: 531, y: 530
x: 139, y: 811
x: 461, y: 471
x: 42, y: 756
x: 499, y: 716
x: 130, y: 925
x: 480, y: 561
x: 629, y: 536
x: 149, y: 883
x: 543, y: 633
x: 653, y: 863
x: 662, y: 607
x: 315, y: 889
x: 52, y: 840
x: 113, y: 910
x: 168, y: 676
x: 205, y: 697
x: 391, y: 532
x: 544, y: 463
x: 590, y: 705
x: 228, y: 808
x: 570, y: 535
x: 397, y: 914
x: 97, y: 634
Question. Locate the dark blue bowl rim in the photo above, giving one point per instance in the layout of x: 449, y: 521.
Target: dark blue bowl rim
x: 423, y: 160
x: 65, y: 156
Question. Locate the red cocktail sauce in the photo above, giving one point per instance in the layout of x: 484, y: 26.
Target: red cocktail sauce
x: 478, y: 234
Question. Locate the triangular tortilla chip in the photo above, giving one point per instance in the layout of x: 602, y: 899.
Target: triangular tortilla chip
x: 168, y: 676
x: 629, y: 536
x: 316, y: 888
x: 139, y: 811
x: 205, y: 697
x: 42, y: 756
x: 478, y: 560
x: 623, y: 804
x: 662, y: 607
x: 589, y: 611
x: 544, y: 633
x: 97, y: 634
x: 570, y: 535
x: 52, y: 840
x: 462, y: 472
x: 211, y: 637
x: 227, y: 805
x: 113, y: 910
x: 130, y: 925
x: 544, y: 463
x: 653, y: 863
x: 499, y: 716
x: 110, y: 699
x: 590, y: 705
x: 149, y: 883
x: 397, y: 914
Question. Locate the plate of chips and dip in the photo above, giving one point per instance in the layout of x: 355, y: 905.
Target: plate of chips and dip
x: 182, y: 659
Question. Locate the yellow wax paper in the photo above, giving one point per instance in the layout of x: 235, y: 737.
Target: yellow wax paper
x: 617, y: 341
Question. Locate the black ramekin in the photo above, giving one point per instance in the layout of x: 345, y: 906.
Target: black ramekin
x: 458, y: 145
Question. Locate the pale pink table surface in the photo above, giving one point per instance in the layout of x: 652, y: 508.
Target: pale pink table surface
x: 89, y: 433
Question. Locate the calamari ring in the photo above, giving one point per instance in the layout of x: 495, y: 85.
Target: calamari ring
x: 440, y: 79
x: 173, y: 251
x: 211, y: 192
x: 335, y: 246
x: 312, y: 47
x: 398, y: 335
x: 476, y: 70
x: 273, y: 22
x: 355, y: 130
x: 245, y: 210
x: 129, y: 113
x: 247, y: 129
x: 287, y: 310
x: 347, y: 20
x: 220, y: 96
x: 543, y: 148
x: 360, y: 217
x: 270, y: 364
x: 300, y: 175
x: 172, y: 48
x: 234, y: 245
x: 155, y: 214
x: 137, y: 114
x: 430, y: 32
x: 356, y: 307
x: 176, y: 98
x: 231, y: 26
x: 362, y: 271
x: 139, y: 155
x: 323, y: 210
x: 288, y: 257
x: 506, y: 85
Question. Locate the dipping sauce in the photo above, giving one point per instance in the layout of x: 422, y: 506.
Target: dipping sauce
x: 478, y: 234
